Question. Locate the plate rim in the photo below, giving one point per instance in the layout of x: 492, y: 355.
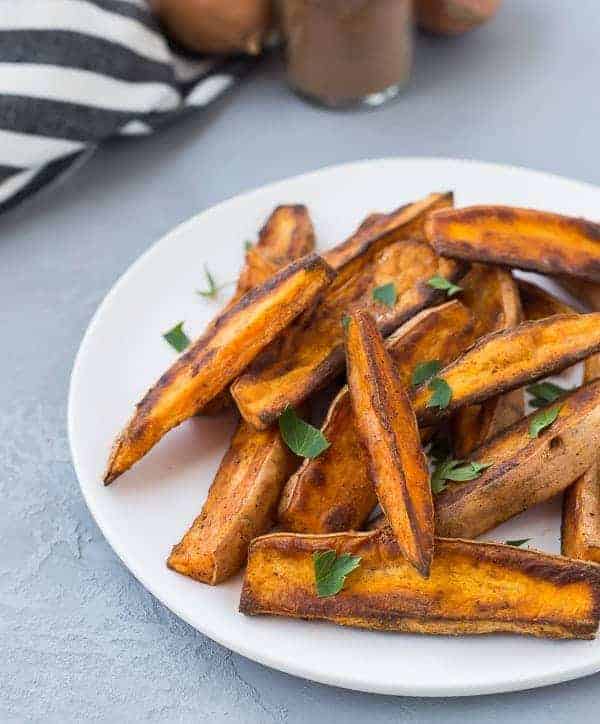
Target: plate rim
x: 500, y: 685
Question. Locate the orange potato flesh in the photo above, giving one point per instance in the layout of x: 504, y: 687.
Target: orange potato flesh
x: 313, y: 353
x: 218, y: 357
x: 522, y: 238
x: 524, y: 470
x: 387, y: 427
x: 240, y: 506
x: 580, y: 530
x: 473, y: 588
x: 511, y: 358
x: 332, y: 492
x: 287, y: 235
x: 407, y: 221
x: 492, y: 296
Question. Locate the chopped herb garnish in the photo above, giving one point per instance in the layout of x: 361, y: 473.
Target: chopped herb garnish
x: 301, y: 438
x: 386, y: 294
x: 458, y: 471
x: 331, y: 571
x: 517, y: 543
x: 543, y: 419
x: 425, y: 371
x: 177, y: 338
x: 444, y: 285
x: 213, y: 288
x: 248, y: 245
x: 544, y: 393
x: 442, y: 393
x: 345, y: 321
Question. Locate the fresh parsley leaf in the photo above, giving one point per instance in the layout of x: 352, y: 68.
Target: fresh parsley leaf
x: 301, y: 438
x: 345, y: 321
x: 177, y: 338
x: 248, y: 245
x: 425, y: 371
x: 213, y: 288
x: 543, y: 419
x: 331, y: 571
x: 455, y: 471
x: 386, y: 294
x: 444, y: 285
x: 544, y: 393
x: 442, y: 393
x: 517, y: 543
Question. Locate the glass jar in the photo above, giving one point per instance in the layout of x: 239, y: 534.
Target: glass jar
x: 348, y: 52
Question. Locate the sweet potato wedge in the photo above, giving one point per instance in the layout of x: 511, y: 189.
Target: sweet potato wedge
x: 509, y: 359
x: 587, y: 292
x: 240, y: 506
x: 454, y: 17
x: 524, y: 470
x: 522, y: 238
x: 332, y: 492
x: 492, y: 295
x: 538, y: 303
x: 218, y: 357
x: 387, y: 427
x: 473, y: 588
x: 287, y: 235
x: 580, y: 530
x: 407, y: 221
x: 313, y: 353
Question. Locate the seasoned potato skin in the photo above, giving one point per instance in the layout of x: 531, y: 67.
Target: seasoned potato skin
x: 505, y: 360
x: 313, y: 353
x: 387, y: 427
x: 240, y: 506
x: 522, y: 238
x: 332, y: 492
x: 218, y: 356
x: 524, y: 471
x: 580, y: 530
x: 287, y: 235
x: 407, y: 220
x: 473, y: 588
x: 492, y: 295
x: 454, y: 17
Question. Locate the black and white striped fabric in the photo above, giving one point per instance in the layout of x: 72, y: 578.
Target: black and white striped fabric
x: 76, y: 72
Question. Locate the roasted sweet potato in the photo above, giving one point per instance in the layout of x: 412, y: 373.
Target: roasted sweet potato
x: 313, y: 353
x: 587, y: 292
x: 408, y: 222
x: 454, y: 17
x: 538, y: 303
x: 218, y: 357
x: 491, y: 294
x: 509, y: 359
x: 287, y: 235
x: 332, y: 492
x: 522, y: 238
x: 524, y: 470
x: 473, y: 588
x: 387, y: 427
x: 240, y: 506
x: 580, y: 531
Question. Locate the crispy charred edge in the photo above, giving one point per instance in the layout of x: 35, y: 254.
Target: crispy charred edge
x: 301, y: 242
x: 196, y: 356
x: 326, y: 371
x: 552, y: 264
x: 576, y: 399
x: 428, y: 415
x: 558, y: 570
x: 355, y: 246
x: 380, y: 377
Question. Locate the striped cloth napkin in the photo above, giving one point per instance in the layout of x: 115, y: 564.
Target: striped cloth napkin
x: 76, y: 72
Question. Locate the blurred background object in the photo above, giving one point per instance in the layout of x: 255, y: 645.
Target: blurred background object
x: 453, y: 17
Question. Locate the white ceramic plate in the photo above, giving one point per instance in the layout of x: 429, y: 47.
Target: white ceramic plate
x: 149, y: 508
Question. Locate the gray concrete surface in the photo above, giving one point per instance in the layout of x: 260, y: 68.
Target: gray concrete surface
x: 80, y: 639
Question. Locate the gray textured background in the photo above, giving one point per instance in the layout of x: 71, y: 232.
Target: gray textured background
x: 79, y: 637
